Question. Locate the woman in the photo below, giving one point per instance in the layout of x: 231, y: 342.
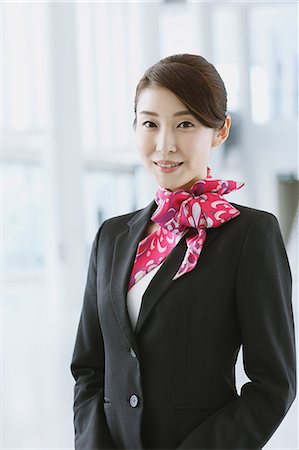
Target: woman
x: 174, y: 290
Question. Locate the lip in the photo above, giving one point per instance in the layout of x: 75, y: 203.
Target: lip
x: 161, y: 165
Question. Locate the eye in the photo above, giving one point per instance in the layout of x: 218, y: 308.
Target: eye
x: 148, y: 124
x: 186, y: 124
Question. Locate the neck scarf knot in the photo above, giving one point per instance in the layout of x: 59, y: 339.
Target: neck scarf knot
x: 196, y: 209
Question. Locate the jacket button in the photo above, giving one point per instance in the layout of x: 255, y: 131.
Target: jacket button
x: 133, y: 401
x: 133, y: 353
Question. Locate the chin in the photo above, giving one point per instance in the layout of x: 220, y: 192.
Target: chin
x: 170, y: 187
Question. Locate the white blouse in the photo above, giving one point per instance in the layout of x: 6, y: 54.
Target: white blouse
x: 135, y: 294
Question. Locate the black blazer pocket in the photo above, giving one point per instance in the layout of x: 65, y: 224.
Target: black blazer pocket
x: 190, y: 417
x: 108, y: 411
x: 198, y: 408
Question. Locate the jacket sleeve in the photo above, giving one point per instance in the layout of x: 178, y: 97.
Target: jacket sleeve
x: 87, y: 367
x: 263, y: 301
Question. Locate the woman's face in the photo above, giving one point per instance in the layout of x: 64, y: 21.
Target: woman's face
x: 174, y: 146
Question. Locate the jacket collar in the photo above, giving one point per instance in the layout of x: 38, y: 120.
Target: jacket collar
x: 123, y: 258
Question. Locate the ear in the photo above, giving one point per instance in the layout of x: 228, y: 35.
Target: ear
x: 222, y: 134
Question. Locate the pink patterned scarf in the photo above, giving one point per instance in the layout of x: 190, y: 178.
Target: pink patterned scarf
x: 201, y: 207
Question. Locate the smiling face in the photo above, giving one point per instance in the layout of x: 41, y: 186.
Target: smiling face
x: 174, y: 146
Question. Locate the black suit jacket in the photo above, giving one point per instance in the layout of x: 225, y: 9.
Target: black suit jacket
x: 171, y: 383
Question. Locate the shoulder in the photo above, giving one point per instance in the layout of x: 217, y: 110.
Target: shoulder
x: 263, y: 248
x: 252, y: 226
x: 116, y: 224
x: 253, y: 213
x: 113, y: 226
x: 256, y: 228
x: 255, y: 217
x: 121, y: 220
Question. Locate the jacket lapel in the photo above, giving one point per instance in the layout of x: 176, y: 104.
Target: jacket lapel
x: 123, y: 258
x: 162, y: 280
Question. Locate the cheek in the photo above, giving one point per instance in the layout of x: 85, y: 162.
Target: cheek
x: 143, y: 144
x: 198, y: 149
x: 138, y: 140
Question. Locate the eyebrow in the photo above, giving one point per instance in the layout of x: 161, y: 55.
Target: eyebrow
x: 179, y: 113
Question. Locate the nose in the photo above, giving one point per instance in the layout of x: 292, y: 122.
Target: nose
x: 165, y: 142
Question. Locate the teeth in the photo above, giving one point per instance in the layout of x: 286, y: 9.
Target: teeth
x: 168, y: 166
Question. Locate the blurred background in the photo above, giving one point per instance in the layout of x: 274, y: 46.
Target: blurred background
x: 68, y: 76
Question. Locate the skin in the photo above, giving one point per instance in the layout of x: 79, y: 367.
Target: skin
x: 183, y: 138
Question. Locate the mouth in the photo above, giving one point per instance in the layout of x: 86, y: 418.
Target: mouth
x: 167, y: 166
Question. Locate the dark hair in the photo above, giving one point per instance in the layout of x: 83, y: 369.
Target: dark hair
x: 194, y: 81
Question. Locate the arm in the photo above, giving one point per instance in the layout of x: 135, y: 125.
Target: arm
x: 263, y: 299
x: 91, y: 431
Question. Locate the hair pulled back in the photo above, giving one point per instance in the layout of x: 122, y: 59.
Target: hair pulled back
x: 194, y: 81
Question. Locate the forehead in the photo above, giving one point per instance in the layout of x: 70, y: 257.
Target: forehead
x: 158, y: 99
